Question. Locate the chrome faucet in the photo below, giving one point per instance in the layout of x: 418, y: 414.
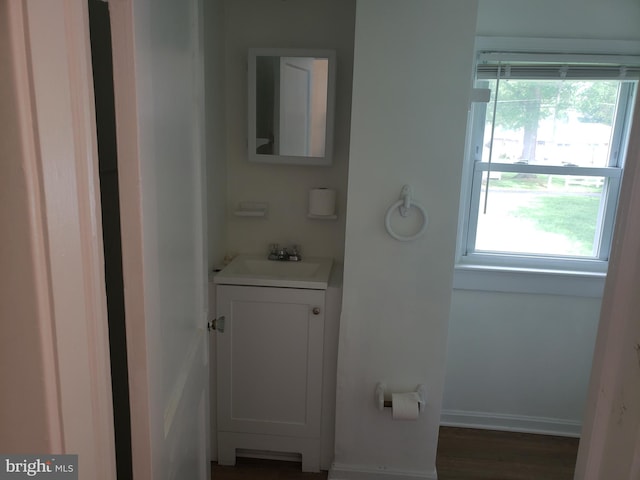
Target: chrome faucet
x: 294, y: 256
x: 273, y: 252
x: 282, y: 254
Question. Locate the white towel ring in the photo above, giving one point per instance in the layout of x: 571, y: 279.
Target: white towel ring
x: 403, y: 205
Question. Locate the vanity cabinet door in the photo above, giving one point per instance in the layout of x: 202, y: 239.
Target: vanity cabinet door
x: 269, y: 360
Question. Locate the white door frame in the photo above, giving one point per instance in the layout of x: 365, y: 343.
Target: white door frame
x: 610, y: 442
x: 54, y: 92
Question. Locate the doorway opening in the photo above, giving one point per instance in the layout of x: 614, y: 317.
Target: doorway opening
x: 101, y: 58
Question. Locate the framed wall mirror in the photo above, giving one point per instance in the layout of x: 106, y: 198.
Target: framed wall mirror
x: 291, y: 106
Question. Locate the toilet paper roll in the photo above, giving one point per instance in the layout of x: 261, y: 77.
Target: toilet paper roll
x: 405, y: 405
x: 322, y: 202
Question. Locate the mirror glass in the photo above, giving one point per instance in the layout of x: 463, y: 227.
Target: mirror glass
x: 291, y: 106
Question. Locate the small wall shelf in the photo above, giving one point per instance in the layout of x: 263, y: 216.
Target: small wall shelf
x: 251, y: 209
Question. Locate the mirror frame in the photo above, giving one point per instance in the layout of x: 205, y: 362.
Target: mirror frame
x: 331, y: 91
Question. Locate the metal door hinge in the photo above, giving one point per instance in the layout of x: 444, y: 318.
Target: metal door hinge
x: 216, y: 324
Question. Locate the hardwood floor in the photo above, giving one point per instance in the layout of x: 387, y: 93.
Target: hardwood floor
x: 463, y: 454
x: 467, y: 454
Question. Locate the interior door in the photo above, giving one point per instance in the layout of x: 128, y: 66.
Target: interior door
x: 158, y: 84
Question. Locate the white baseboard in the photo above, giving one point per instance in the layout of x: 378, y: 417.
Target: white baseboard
x: 510, y: 423
x: 369, y: 472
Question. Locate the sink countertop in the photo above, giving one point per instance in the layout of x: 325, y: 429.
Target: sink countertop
x: 256, y: 270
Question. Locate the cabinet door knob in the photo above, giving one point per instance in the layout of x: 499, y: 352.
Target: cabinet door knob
x: 216, y: 324
x: 316, y: 310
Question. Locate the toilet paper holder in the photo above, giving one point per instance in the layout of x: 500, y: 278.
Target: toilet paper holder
x: 421, y: 390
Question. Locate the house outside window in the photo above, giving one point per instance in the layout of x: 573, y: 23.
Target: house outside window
x: 546, y: 160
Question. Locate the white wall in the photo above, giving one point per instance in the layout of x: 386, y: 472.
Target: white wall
x: 408, y: 122
x: 324, y: 24
x: 519, y: 361
x: 522, y: 361
x: 598, y: 19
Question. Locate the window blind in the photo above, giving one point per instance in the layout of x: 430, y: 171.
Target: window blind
x: 552, y: 66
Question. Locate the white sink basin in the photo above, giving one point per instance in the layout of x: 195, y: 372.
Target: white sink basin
x: 255, y: 270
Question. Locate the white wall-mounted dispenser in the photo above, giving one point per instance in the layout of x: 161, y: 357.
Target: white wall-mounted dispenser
x: 403, y: 405
x: 322, y: 203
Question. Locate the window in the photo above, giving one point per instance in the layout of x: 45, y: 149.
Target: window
x: 547, y: 156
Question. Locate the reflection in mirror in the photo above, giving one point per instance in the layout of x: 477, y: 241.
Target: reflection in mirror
x: 290, y: 106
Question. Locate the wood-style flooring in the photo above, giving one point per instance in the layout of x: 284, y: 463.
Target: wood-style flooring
x: 463, y: 454
x: 467, y: 454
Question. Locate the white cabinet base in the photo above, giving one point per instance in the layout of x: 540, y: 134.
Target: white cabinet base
x: 269, y: 362
x: 230, y: 442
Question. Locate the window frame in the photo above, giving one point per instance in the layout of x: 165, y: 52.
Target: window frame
x: 497, y: 271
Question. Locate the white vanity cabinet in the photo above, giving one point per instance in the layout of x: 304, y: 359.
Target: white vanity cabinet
x: 269, y: 371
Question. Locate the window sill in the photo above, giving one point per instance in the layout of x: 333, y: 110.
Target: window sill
x: 528, y: 280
